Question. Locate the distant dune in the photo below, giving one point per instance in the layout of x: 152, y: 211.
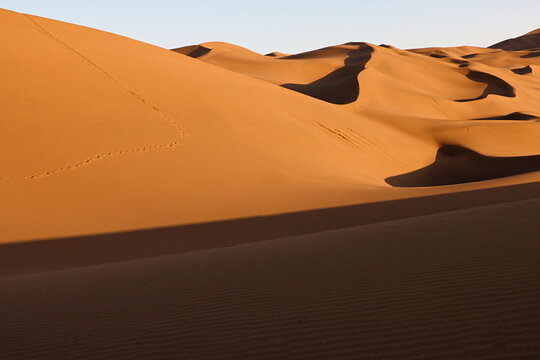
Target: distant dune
x: 355, y: 201
x: 529, y: 41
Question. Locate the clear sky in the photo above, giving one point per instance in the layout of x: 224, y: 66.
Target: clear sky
x: 297, y: 25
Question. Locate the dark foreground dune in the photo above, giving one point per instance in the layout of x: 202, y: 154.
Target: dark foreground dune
x: 444, y: 286
x: 72, y: 252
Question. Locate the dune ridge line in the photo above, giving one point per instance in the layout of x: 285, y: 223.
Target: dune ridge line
x: 180, y: 132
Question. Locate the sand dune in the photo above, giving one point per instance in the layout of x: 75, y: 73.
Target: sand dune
x: 27, y: 257
x: 434, y: 287
x: 529, y: 41
x: 339, y: 86
x: 494, y: 85
x: 351, y: 201
x: 456, y: 164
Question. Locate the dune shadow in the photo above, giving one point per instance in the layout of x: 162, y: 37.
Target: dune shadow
x: 524, y: 42
x: 495, y: 85
x: 522, y: 71
x: 340, y: 86
x: 193, y: 51
x: 512, y: 116
x: 88, y: 250
x: 456, y: 164
x: 531, y: 55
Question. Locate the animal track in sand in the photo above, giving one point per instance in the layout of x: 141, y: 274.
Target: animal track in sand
x: 362, y: 143
x: 179, y: 133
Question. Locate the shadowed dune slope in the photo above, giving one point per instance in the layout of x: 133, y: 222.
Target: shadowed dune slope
x: 513, y: 116
x: 64, y: 253
x: 456, y: 164
x: 194, y: 51
x: 341, y: 85
x: 523, y: 71
x: 494, y: 85
x: 531, y: 55
x: 528, y: 41
x: 456, y: 285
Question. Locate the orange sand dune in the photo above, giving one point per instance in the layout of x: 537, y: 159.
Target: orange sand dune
x: 210, y: 140
x: 529, y: 41
x: 188, y: 203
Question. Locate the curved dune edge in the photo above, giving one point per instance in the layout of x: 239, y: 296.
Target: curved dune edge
x: 457, y: 164
x: 57, y: 254
x: 494, y: 85
x: 340, y: 86
x: 532, y: 54
x: 513, y: 116
x: 523, y: 71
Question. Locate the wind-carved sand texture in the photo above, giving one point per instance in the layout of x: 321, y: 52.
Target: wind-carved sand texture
x: 355, y: 201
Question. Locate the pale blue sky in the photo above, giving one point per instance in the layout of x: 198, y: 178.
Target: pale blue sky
x: 297, y: 25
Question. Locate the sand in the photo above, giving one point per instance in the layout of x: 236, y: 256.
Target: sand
x: 355, y: 201
x: 383, y: 291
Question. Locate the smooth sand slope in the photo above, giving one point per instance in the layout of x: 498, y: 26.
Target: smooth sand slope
x: 355, y: 201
